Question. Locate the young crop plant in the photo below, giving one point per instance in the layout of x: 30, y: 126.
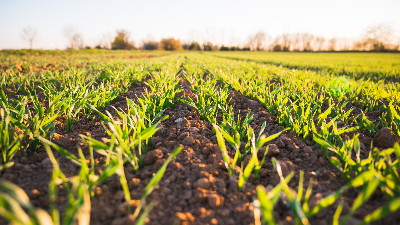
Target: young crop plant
x: 14, y: 202
x: 152, y: 105
x: 378, y: 170
x: 234, y: 142
x: 80, y: 189
x: 300, y: 206
x: 16, y: 112
x: 210, y: 100
x: 255, y: 145
x: 126, y: 136
x: 10, y: 142
x: 72, y: 110
x: 232, y: 127
x: 35, y: 120
x: 41, y: 121
x: 266, y: 200
x: 15, y: 206
x: 391, y: 118
x: 338, y: 87
x: 78, y: 207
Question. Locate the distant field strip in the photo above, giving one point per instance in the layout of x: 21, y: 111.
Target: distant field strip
x: 374, y: 66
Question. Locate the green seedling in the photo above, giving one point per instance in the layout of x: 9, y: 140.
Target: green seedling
x: 235, y: 143
x: 125, y: 135
x: 15, y: 206
x: 10, y: 142
x: 209, y: 100
x: 232, y: 127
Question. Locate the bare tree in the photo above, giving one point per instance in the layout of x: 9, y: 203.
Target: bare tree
x: 78, y: 40
x: 319, y: 43
x: 307, y: 40
x: 257, y: 41
x: 286, y: 42
x: 68, y: 32
x: 75, y: 39
x: 296, y: 41
x: 360, y: 45
x: 379, y: 36
x: 29, y: 34
x: 276, y: 45
x: 343, y: 44
x: 332, y: 44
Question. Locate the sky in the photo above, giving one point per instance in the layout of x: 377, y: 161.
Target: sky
x: 224, y: 22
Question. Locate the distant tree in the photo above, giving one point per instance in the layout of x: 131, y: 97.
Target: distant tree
x: 319, y: 43
x: 296, y: 38
x: 194, y: 46
x: 379, y: 36
x: 78, y: 39
x: 277, y: 48
x: 332, y: 44
x: 208, y: 46
x: 257, y: 41
x: 121, y: 41
x: 170, y: 44
x: 282, y: 42
x: 397, y: 44
x: 307, y: 40
x: 150, y: 45
x: 276, y: 44
x: 29, y: 34
x: 343, y: 44
x: 75, y: 39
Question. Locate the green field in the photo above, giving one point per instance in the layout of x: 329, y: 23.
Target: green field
x: 367, y: 65
x: 135, y: 137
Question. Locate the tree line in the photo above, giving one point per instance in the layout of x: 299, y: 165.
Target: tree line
x: 378, y: 37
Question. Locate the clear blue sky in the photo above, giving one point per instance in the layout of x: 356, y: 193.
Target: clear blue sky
x: 224, y: 21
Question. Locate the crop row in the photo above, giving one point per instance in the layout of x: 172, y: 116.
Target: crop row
x: 296, y: 99
x: 72, y: 94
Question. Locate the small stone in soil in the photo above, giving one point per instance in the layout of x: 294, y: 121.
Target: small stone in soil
x: 178, y: 120
x: 202, y: 183
x: 214, y: 200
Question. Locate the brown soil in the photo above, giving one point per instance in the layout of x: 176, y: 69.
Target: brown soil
x: 195, y: 188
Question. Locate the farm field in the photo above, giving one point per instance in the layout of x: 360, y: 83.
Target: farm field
x: 375, y: 66
x: 134, y: 137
